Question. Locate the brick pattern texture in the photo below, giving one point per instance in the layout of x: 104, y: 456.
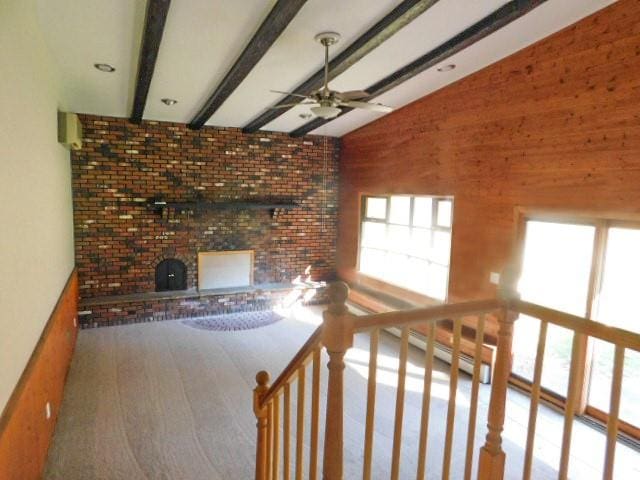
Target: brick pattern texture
x: 122, y: 166
x: 153, y: 310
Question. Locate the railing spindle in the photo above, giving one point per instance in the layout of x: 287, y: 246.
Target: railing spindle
x: 286, y: 434
x: 453, y: 389
x: 614, y: 412
x: 426, y: 401
x: 315, y: 414
x: 275, y: 465
x: 397, y: 432
x: 371, y: 403
x: 570, y: 408
x: 300, y: 423
x: 475, y: 386
x: 535, y: 400
x: 269, y: 439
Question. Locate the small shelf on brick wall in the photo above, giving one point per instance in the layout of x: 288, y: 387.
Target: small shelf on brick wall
x: 203, y: 205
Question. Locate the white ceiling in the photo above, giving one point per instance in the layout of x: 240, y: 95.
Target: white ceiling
x: 203, y: 38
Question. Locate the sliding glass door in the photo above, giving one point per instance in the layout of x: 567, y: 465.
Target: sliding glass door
x: 590, y: 268
x: 556, y: 270
x: 617, y: 305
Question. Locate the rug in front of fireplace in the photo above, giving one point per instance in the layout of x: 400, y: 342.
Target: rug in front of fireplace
x: 235, y: 321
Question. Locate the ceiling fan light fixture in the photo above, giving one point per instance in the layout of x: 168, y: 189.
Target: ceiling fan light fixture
x: 326, y: 112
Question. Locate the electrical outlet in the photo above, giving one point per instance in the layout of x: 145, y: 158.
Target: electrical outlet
x: 494, y: 278
x: 47, y: 410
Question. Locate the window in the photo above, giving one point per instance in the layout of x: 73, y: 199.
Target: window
x: 406, y: 241
x: 587, y: 267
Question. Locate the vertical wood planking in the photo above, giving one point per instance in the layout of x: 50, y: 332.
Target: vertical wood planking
x: 426, y: 401
x: 286, y: 434
x: 453, y: 389
x: 477, y: 114
x: 315, y: 414
x: 25, y: 433
x: 397, y: 433
x: 371, y: 404
x: 475, y: 385
x: 300, y: 422
x: 570, y: 407
x: 535, y: 400
x: 275, y: 465
x: 614, y: 412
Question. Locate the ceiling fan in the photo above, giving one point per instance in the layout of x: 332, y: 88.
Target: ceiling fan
x: 325, y: 103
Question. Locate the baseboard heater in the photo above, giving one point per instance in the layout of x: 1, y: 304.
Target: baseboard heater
x: 443, y: 353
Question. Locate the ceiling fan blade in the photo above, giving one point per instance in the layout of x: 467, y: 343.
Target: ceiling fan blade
x: 353, y: 95
x: 374, y: 107
x: 289, y: 105
x: 290, y: 93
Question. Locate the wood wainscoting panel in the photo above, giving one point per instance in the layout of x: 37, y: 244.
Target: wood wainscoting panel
x: 25, y: 432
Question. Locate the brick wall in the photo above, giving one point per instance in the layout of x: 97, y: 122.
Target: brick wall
x: 117, y: 311
x: 122, y: 166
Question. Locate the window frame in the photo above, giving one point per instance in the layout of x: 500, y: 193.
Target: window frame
x: 386, y: 221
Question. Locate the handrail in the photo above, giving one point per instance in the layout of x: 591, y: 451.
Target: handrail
x: 298, y: 360
x: 336, y: 335
x: 427, y: 314
x: 617, y: 336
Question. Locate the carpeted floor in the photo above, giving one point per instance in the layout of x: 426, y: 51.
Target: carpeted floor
x: 165, y: 401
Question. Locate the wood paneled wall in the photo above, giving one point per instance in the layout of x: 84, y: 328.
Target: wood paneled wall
x: 25, y: 433
x: 554, y: 125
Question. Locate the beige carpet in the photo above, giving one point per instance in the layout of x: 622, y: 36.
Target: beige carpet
x: 166, y: 401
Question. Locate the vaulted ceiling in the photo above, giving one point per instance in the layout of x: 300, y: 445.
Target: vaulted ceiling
x: 239, y: 50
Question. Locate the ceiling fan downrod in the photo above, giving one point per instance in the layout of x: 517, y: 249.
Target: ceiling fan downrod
x: 327, y: 39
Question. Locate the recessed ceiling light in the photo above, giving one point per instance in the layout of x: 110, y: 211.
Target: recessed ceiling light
x: 169, y: 101
x: 305, y: 116
x: 446, y: 68
x: 104, y: 67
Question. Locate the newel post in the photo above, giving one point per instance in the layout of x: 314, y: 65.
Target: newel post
x: 492, y: 457
x: 262, y: 414
x: 337, y: 337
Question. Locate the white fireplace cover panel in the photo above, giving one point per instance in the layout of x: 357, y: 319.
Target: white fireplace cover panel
x: 231, y: 268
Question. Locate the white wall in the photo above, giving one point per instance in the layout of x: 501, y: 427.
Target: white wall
x: 36, y: 223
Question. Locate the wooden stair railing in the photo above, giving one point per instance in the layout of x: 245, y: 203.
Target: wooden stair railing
x: 266, y: 406
x: 336, y: 334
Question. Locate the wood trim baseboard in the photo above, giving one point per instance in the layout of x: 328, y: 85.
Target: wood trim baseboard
x: 25, y: 433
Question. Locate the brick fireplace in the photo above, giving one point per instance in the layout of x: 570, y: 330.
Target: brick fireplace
x: 218, y: 191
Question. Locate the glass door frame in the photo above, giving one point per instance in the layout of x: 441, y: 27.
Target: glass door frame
x: 602, y: 223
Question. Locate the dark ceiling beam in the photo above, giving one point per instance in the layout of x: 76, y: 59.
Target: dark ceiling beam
x: 485, y: 27
x: 395, y: 20
x: 279, y: 17
x: 155, y: 19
